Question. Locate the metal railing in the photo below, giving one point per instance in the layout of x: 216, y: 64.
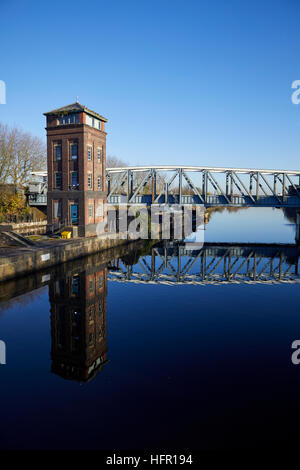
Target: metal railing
x: 56, y: 226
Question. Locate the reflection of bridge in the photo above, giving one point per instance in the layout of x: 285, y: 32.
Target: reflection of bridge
x: 214, y: 263
x: 203, y: 185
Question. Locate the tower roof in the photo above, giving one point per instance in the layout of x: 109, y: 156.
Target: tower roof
x: 75, y: 108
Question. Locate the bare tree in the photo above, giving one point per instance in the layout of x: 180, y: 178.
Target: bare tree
x: 20, y: 153
x: 6, y: 150
x: 114, y: 162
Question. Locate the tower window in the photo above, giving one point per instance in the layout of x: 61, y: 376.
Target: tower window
x: 100, y: 210
x: 75, y: 284
x: 89, y: 153
x: 89, y: 180
x: 58, y: 180
x: 72, y: 118
x: 99, y: 182
x: 74, y: 178
x: 58, y: 152
x: 74, y: 151
x: 91, y: 209
x: 99, y: 125
x: 91, y: 338
x: 99, y: 154
x: 57, y: 209
x: 91, y: 313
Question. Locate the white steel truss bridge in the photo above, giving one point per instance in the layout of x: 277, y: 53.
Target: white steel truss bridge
x: 210, y: 186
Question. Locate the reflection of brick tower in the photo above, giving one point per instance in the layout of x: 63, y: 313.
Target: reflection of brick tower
x: 78, y: 324
x: 76, y: 161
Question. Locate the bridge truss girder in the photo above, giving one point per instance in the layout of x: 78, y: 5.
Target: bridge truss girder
x: 203, y: 185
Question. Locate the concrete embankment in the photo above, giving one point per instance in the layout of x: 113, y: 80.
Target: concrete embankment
x: 18, y: 261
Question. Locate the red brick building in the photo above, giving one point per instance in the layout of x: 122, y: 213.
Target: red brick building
x: 76, y: 162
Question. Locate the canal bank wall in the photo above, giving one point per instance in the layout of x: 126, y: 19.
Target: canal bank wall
x: 26, y: 228
x: 15, y: 287
x: 19, y: 261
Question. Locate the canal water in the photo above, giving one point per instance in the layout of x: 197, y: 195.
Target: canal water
x: 159, y: 346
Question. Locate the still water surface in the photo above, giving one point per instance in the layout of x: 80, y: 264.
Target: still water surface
x: 157, y: 347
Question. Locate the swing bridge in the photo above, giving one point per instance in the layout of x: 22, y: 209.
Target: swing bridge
x: 209, y: 186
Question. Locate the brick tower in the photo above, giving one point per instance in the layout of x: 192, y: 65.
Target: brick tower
x: 76, y: 162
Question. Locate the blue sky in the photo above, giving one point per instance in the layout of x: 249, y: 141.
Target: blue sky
x: 181, y: 82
